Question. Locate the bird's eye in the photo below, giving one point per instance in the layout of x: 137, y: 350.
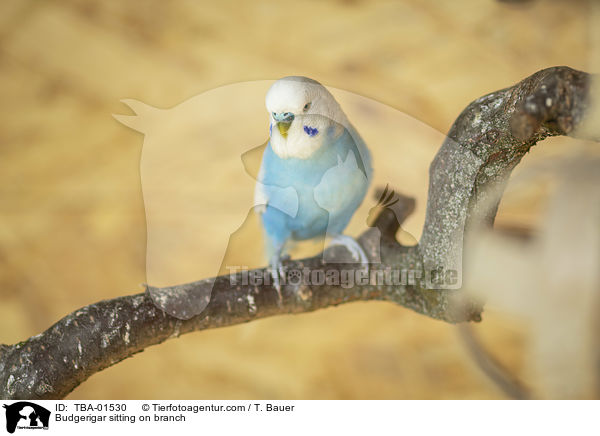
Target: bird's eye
x: 306, y: 107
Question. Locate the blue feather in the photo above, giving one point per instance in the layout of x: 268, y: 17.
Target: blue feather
x: 304, y: 175
x: 311, y: 131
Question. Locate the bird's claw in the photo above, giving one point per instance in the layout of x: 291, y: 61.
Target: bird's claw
x: 357, y: 252
x: 277, y: 272
x: 260, y: 208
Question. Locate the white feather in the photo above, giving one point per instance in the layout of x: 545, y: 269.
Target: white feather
x: 291, y: 94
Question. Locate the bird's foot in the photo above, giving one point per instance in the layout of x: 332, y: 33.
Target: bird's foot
x: 357, y: 252
x: 277, y: 272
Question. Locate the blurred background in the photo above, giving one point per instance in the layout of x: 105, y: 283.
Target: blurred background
x: 72, y: 218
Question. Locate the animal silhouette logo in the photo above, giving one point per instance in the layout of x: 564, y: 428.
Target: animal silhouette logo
x: 26, y: 415
x: 202, y: 219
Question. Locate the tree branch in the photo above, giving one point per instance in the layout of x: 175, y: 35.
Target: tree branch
x: 486, y: 142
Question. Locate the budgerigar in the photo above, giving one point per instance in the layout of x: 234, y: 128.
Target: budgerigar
x: 309, y: 136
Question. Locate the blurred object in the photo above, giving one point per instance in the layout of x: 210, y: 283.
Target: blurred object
x: 73, y: 228
x: 516, y: 2
x: 491, y: 366
x: 552, y: 281
x: 589, y: 127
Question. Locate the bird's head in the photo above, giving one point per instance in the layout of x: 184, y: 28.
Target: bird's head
x: 303, y: 112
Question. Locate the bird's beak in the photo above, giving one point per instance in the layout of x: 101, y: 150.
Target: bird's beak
x: 284, y: 121
x: 283, y: 128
